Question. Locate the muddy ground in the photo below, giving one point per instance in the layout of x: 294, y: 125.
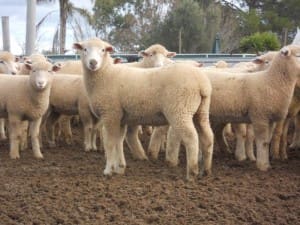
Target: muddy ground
x: 68, y: 187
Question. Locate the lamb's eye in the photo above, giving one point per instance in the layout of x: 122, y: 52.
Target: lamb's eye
x: 266, y: 62
x: 33, y: 71
x: 1, y: 61
x: 103, y: 50
x: 85, y: 50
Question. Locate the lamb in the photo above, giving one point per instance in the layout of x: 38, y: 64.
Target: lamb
x: 243, y: 132
x: 74, y: 102
x: 266, y: 96
x: 29, y: 101
x: 8, y: 65
x: 121, y: 95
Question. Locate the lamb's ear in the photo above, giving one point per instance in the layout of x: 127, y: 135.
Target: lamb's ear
x: 117, y: 60
x: 171, y: 54
x: 143, y: 53
x: 258, y: 60
x: 286, y: 51
x: 56, y: 67
x: 78, y: 46
x: 28, y: 65
x: 109, y: 49
x: 200, y: 64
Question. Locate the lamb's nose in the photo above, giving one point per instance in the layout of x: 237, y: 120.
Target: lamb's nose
x: 13, y: 73
x: 93, y: 62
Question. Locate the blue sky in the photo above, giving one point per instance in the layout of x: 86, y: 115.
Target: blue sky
x: 16, y: 10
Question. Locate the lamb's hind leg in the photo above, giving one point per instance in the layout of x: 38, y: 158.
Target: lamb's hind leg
x: 134, y: 143
x: 296, y: 137
x: 276, y: 139
x: 120, y: 168
x: 15, y: 132
x: 262, y: 138
x: 240, y: 131
x: 187, y: 133
x: 220, y: 139
x: 156, y: 140
x: 34, y: 129
x: 249, y: 143
x: 2, y: 129
x: 206, y: 135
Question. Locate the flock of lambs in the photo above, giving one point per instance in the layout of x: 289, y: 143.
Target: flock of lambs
x: 179, y: 102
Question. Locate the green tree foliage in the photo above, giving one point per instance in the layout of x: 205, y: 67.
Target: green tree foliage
x: 260, y: 42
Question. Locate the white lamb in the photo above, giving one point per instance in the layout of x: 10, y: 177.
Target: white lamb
x: 8, y: 65
x: 261, y: 98
x: 29, y: 100
x: 121, y: 95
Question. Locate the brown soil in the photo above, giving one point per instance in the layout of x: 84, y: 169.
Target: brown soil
x: 68, y: 187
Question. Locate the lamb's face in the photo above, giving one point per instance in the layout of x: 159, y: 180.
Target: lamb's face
x: 156, y: 55
x: 92, y: 53
x: 9, y: 66
x: 41, y: 74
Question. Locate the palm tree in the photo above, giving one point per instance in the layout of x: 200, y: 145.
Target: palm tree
x: 66, y: 10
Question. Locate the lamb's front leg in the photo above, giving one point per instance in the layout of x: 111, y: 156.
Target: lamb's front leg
x: 112, y: 137
x: 262, y: 138
x: 34, y: 129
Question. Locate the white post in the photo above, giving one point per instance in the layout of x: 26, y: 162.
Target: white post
x: 30, y: 27
x: 5, y: 33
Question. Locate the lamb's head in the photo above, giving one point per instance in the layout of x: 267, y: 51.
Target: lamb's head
x: 8, y: 63
x: 156, y: 55
x: 286, y: 61
x: 93, y: 53
x: 221, y: 64
x: 41, y: 74
x: 263, y: 62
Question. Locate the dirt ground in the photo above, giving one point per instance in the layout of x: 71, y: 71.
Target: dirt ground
x: 68, y: 187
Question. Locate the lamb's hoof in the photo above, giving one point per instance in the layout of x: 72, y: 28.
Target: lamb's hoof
x: 192, y: 176
x: 275, y: 156
x: 107, y: 172
x: 14, y: 156
x: 284, y: 157
x: 207, y: 173
x: 87, y: 149
x: 120, y: 169
x: 52, y: 144
x: 172, y: 163
x: 68, y: 141
x: 153, y: 156
x: 140, y: 157
x: 38, y: 156
x: 263, y: 166
x: 252, y: 159
x: 294, y: 146
x: 240, y: 158
x: 95, y: 149
x: 3, y: 137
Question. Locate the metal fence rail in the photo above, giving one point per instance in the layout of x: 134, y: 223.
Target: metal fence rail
x: 205, y: 58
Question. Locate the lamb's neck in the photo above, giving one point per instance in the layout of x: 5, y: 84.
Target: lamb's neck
x: 282, y: 80
x: 38, y: 98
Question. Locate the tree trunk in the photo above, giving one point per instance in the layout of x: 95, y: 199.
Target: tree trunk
x: 63, y: 25
x: 30, y: 27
